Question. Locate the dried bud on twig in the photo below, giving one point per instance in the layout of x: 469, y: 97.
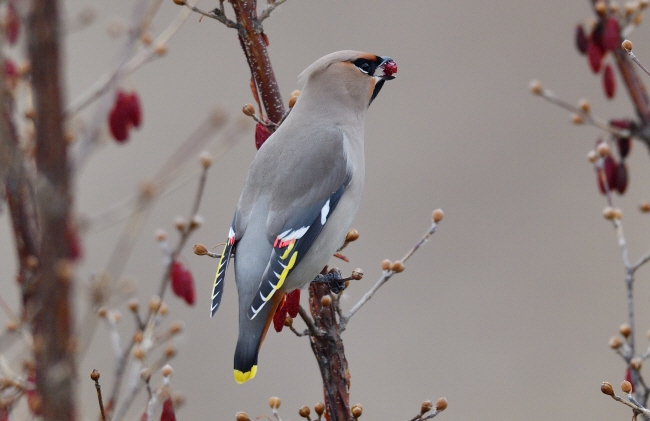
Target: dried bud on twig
x: 437, y: 215
x: 357, y: 410
x: 200, y: 249
x: 609, y: 213
x: 326, y: 301
x: 626, y: 386
x: 426, y: 406
x: 584, y: 106
x: 176, y: 328
x: 167, y: 370
x: 94, y: 375
x: 625, y: 330
x: 248, y: 110
x: 615, y: 342
x: 242, y: 416
x: 304, y: 412
x: 644, y: 207
x: 352, y: 235
x: 627, y: 45
x: 535, y: 87
x: 357, y: 274
x: 134, y: 305
x: 275, y: 402
x: 319, y: 408
x: 577, y: 119
x: 607, y: 389
x: 636, y: 363
x: 398, y: 267
x: 441, y: 404
x: 180, y: 2
x: 592, y: 156
x: 206, y: 159
x: 386, y: 264
x: 145, y: 374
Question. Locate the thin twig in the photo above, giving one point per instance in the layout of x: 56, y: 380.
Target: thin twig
x: 636, y: 60
x: 95, y: 376
x: 217, y: 14
x: 311, y: 327
x: 270, y: 8
x: 386, y: 275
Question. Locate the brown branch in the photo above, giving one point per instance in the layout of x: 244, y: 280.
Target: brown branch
x: 51, y: 304
x: 254, y: 43
x: 634, y: 85
x: 330, y: 355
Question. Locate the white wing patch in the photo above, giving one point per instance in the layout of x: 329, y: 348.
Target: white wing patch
x: 324, y: 212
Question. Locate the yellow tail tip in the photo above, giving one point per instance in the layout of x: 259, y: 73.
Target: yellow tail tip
x: 244, y: 377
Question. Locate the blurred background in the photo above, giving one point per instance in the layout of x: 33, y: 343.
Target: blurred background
x: 506, y: 312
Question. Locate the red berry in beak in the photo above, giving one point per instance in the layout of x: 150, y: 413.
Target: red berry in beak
x: 390, y: 68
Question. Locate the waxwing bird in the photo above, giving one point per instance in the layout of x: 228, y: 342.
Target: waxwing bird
x: 301, y: 194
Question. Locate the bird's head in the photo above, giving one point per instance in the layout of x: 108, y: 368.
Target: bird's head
x: 349, y: 76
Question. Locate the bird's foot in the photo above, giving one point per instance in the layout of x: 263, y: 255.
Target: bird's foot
x: 333, y: 279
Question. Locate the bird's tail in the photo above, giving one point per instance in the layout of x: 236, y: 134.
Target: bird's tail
x: 251, y: 336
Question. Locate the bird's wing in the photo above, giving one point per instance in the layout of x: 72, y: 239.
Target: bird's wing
x: 217, y: 287
x: 301, y: 204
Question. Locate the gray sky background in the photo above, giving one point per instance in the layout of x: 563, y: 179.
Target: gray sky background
x: 506, y: 312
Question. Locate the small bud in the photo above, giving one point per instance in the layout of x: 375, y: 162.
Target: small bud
x: 584, y: 106
x: 618, y: 214
x: 644, y: 207
x: 274, y: 402
x: 178, y: 399
x: 102, y: 311
x: 176, y: 328
x: 326, y: 301
x: 94, y: 375
x: 295, y: 93
x: 249, y: 110
x: 138, y: 336
x: 608, y: 213
x: 577, y: 119
x: 154, y: 304
x: 167, y: 370
x: 161, y: 235
x: 626, y: 386
x: 206, y: 159
x: 613, y: 6
x: 357, y: 274
x: 138, y: 353
x: 643, y: 4
x: 535, y: 87
x: 638, y: 19
x: 161, y: 49
x: 607, y: 389
x: 352, y: 235
x: 164, y: 309
x: 292, y: 101
x: 592, y: 156
x: 357, y: 410
x: 180, y: 223
x: 242, y: 416
x: 288, y: 321
x: 386, y: 264
x: 625, y: 330
x: 437, y: 215
x: 304, y: 412
x: 441, y: 404
x: 627, y: 45
x: 636, y: 363
x: 147, y: 189
x: 426, y: 406
x: 601, y: 7
x: 200, y: 249
x: 319, y: 408
x: 196, y: 222
x: 398, y: 267
x: 170, y: 351
x: 615, y: 342
x: 180, y: 2
x: 146, y: 39
x: 145, y: 374
x: 134, y: 305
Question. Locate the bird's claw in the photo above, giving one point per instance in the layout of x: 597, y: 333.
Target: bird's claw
x: 333, y: 279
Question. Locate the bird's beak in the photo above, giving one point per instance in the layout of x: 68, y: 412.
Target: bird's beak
x: 384, y: 72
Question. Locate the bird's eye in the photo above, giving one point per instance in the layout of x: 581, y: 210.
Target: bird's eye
x: 364, y: 65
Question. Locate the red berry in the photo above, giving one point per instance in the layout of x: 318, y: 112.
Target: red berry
x: 11, y: 24
x: 261, y: 134
x: 293, y: 302
x: 168, y: 411
x: 280, y: 315
x: 126, y: 113
x: 135, y: 111
x: 390, y: 68
x: 609, y: 82
x: 611, y: 35
x: 581, y: 39
x: 595, y: 56
x: 621, y: 124
x: 610, y: 168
